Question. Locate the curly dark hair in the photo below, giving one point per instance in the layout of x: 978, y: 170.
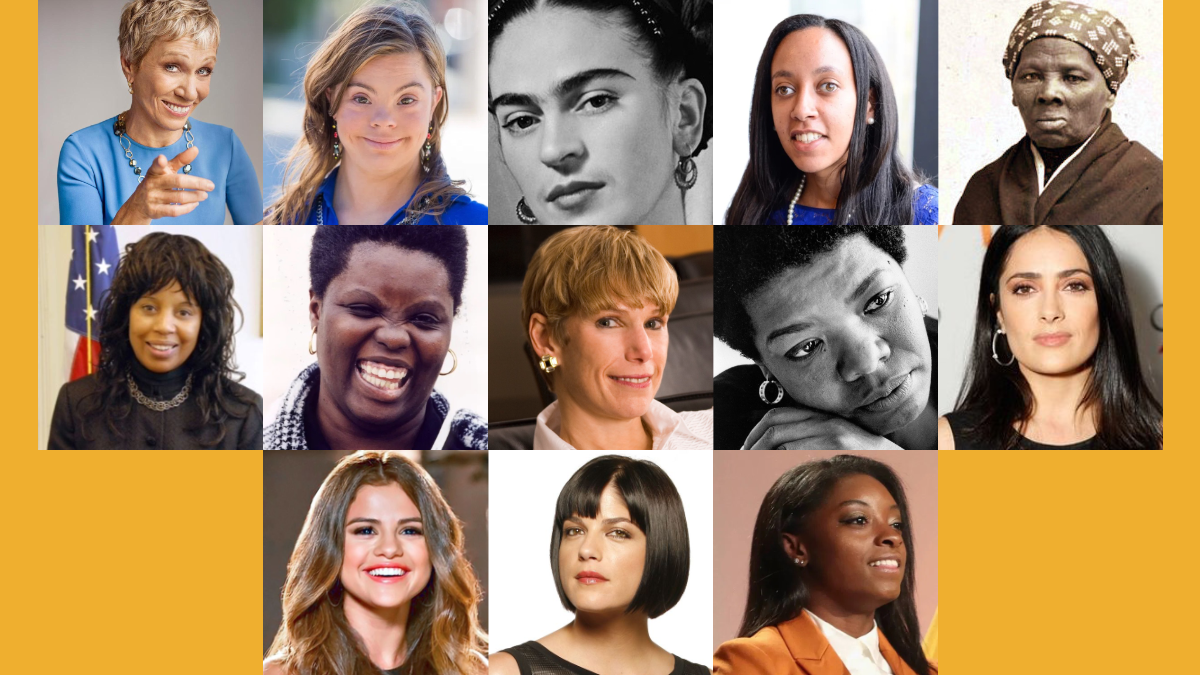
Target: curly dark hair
x: 331, y: 246
x: 746, y: 259
x: 150, y: 264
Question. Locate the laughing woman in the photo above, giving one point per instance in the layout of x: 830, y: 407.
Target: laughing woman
x: 155, y: 161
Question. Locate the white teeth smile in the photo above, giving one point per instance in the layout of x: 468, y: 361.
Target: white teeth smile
x: 895, y: 564
x: 387, y: 572
x: 384, y: 377
x: 162, y: 348
x: 635, y: 380
x: 179, y: 110
x: 807, y: 138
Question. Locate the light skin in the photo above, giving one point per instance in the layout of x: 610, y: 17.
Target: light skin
x: 602, y: 638
x: 813, y: 102
x: 610, y: 366
x: 1047, y: 307
x: 845, y: 336
x: 383, y: 532
x: 383, y: 118
x: 594, y: 136
x: 177, y: 74
x: 859, y: 523
x: 163, y: 328
x: 392, y: 308
x: 1061, y: 94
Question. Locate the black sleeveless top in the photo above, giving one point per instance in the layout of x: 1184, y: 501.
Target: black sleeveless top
x: 534, y: 659
x: 963, y: 423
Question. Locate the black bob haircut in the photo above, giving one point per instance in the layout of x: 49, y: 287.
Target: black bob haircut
x: 748, y: 259
x: 654, y: 506
x: 331, y: 245
x: 778, y: 593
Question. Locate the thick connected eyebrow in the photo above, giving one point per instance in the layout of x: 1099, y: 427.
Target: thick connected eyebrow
x: 376, y: 521
x: 564, y: 88
x: 821, y: 70
x: 1035, y: 275
x: 372, y: 89
x: 865, y: 284
x: 893, y: 507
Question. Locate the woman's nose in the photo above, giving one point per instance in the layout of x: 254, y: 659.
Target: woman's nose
x: 1051, y: 91
x: 387, y: 545
x: 393, y: 335
x: 1051, y: 308
x: 383, y: 116
x: 164, y: 323
x: 863, y: 354
x: 889, y: 536
x: 562, y: 145
x: 589, y: 548
x: 804, y: 105
x: 639, y: 347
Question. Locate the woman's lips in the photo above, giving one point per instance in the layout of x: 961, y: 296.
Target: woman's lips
x: 640, y: 382
x: 1052, y: 339
x: 806, y: 141
x: 176, y: 109
x: 892, y: 398
x: 387, y: 574
x: 382, y: 144
x: 887, y: 566
x: 381, y: 380
x: 1050, y: 123
x: 590, y: 578
x: 162, y: 351
x: 574, y: 196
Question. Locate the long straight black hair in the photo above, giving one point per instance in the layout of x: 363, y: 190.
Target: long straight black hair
x: 876, y: 184
x: 778, y: 593
x: 999, y: 396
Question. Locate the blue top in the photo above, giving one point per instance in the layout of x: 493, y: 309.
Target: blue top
x: 925, y: 207
x: 95, y: 179
x: 462, y: 210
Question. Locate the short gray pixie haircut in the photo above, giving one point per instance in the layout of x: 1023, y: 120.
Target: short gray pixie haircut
x: 145, y: 21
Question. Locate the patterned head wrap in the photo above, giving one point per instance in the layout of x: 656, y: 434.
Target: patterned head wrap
x: 1099, y: 32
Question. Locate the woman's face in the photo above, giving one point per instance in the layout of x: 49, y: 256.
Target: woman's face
x: 600, y: 560
x: 813, y: 98
x: 845, y: 334
x: 612, y: 362
x: 582, y: 119
x: 384, y: 114
x: 171, y: 80
x: 385, y: 562
x: 1060, y: 92
x: 383, y: 329
x: 854, y: 545
x: 163, y: 328
x: 1048, y: 304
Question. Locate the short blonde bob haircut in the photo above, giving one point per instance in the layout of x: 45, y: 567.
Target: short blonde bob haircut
x: 588, y: 269
x: 145, y: 21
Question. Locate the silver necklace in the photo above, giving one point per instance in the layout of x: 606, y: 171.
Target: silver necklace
x: 123, y: 139
x: 796, y: 198
x: 160, y: 406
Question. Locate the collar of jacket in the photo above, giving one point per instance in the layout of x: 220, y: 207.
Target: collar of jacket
x: 812, y: 651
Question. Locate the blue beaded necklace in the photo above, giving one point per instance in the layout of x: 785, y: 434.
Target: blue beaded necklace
x: 123, y: 139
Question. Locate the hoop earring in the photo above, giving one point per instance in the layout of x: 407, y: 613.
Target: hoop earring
x: 924, y: 305
x: 548, y: 363
x: 312, y: 349
x: 455, y: 366
x: 524, y: 213
x: 329, y: 595
x: 427, y: 151
x: 686, y: 173
x: 337, y: 147
x: 1011, y: 357
x: 762, y: 391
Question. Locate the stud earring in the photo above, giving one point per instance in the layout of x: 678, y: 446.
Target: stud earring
x: 870, y: 120
x: 548, y: 363
x: 427, y: 151
x: 686, y: 173
x: 524, y: 213
x: 337, y: 147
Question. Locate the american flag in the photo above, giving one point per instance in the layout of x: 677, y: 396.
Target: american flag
x: 94, y: 258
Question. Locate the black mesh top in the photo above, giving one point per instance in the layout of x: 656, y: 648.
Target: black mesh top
x: 534, y: 659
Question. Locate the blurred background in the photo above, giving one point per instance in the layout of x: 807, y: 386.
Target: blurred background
x: 291, y: 480
x: 904, y: 32
x: 294, y: 29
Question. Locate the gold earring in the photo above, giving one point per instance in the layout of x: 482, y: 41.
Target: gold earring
x: 130, y: 83
x: 548, y: 363
x: 455, y: 366
x: 312, y: 349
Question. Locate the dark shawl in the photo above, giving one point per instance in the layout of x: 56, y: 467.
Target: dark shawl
x: 1114, y: 181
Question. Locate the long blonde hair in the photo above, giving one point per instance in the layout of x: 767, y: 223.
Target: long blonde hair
x: 443, y: 634
x: 374, y: 30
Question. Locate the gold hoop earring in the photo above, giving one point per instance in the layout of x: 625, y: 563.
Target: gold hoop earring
x: 312, y: 349
x: 548, y: 363
x: 455, y: 366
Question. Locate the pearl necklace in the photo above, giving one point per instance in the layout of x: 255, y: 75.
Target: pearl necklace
x: 123, y: 139
x: 796, y: 198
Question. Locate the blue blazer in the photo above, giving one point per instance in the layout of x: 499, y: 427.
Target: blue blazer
x: 95, y: 179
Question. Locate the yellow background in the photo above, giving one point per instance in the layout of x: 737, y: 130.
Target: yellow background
x: 150, y: 562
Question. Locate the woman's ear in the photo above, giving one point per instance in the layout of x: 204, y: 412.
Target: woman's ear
x: 314, y: 309
x: 541, y: 337
x: 765, y: 373
x: 794, y: 548
x: 996, y: 308
x: 128, y: 69
x: 871, y: 104
x: 437, y: 98
x: 691, y: 102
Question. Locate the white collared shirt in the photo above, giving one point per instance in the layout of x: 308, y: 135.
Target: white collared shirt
x: 861, y: 656
x: 669, y: 430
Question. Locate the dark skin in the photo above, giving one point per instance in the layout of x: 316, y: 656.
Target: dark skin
x: 391, y: 307
x: 1060, y: 92
x: 858, y: 524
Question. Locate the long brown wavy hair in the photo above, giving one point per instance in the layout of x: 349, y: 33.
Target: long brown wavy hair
x: 371, y: 31
x: 443, y: 635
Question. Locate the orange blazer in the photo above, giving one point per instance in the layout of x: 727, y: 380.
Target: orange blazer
x: 795, y: 647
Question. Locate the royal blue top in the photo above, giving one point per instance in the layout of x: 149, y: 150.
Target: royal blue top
x: 462, y: 210
x: 95, y: 179
x: 925, y: 208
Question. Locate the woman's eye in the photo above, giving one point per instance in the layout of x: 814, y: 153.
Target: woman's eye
x: 206, y: 71
x: 171, y: 68
x: 1074, y: 79
x: 804, y: 349
x: 898, y: 525
x: 360, y: 99
x: 879, y: 302
x: 655, y: 324
x: 620, y: 534
x: 364, y: 530
x: 411, y: 531
x: 829, y: 87
x: 361, y: 310
x: 784, y: 90
x: 1077, y: 286
x: 1022, y: 289
x: 572, y: 531
x: 148, y: 308
x: 407, y: 100
x: 607, y: 322
x: 857, y: 520
x: 426, y: 320
x: 598, y: 103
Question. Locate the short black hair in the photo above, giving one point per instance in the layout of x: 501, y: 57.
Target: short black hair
x: 654, y: 506
x: 746, y: 259
x: 331, y: 245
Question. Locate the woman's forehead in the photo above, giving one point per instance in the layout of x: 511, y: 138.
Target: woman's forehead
x: 809, y: 52
x: 1044, y: 251
x: 840, y: 272
x: 390, y: 72
x: 1059, y: 53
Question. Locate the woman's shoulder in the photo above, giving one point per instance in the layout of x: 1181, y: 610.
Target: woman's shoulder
x: 925, y: 205
x: 76, y: 390
x: 504, y: 663
x: 465, y: 211
x: 764, y: 652
x: 685, y: 667
x: 245, y: 395
x: 210, y: 130
x: 470, y: 429
x: 81, y: 143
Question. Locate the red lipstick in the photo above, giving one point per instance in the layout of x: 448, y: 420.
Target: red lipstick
x: 590, y: 578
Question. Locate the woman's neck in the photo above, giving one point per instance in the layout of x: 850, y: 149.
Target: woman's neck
x: 609, y: 642
x: 668, y: 210
x: 1058, y: 418
x: 382, y: 631
x: 343, y: 434
x: 822, y: 188
x: 853, y: 622
x: 370, y: 198
x: 143, y: 131
x: 585, y: 431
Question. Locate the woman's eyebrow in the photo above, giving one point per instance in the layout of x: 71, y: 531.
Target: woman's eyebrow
x: 794, y: 328
x: 865, y: 284
x: 580, y: 80
x: 376, y: 521
x: 372, y: 89
x: 820, y: 70
x: 1037, y: 275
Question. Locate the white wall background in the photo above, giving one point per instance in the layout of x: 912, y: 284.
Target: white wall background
x: 960, y: 257
x: 921, y: 270
x: 238, y: 246
x: 524, y: 605
x: 738, y: 43
x: 978, y: 121
x: 285, y: 281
